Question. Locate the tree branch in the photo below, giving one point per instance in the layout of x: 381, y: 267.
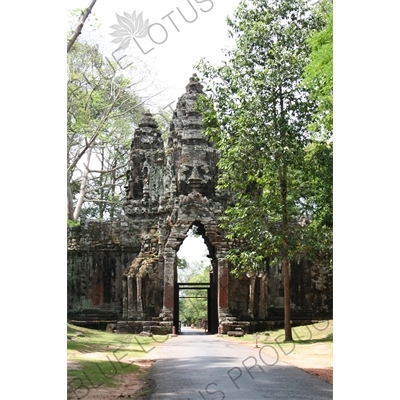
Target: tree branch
x: 108, y: 170
x: 102, y: 187
x: 101, y: 201
x: 104, y: 118
x: 78, y: 29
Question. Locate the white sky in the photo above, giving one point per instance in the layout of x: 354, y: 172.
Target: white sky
x: 194, y: 249
x: 172, y: 61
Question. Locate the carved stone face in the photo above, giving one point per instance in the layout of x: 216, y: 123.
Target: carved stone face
x: 194, y: 176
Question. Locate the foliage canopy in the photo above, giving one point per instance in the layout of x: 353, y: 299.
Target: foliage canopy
x: 103, y: 109
x: 259, y: 119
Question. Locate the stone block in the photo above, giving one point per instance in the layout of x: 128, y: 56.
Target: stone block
x: 234, y: 325
x: 235, y: 333
x: 131, y: 327
x: 111, y: 328
x: 161, y: 330
x: 149, y: 323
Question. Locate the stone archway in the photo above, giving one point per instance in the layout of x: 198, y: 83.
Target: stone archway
x: 211, y: 286
x: 170, y: 186
x: 194, y: 210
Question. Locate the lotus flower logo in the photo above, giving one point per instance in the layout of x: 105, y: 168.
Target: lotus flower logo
x: 130, y: 26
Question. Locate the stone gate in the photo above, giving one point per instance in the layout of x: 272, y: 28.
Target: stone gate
x: 125, y: 271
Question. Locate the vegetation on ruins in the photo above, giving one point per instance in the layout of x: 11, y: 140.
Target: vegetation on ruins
x: 270, y: 117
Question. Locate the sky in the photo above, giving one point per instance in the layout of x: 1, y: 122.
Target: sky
x: 181, y: 33
x: 193, y: 249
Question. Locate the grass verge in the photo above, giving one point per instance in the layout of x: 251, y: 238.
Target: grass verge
x: 99, y: 359
x: 312, y: 345
x: 317, y: 332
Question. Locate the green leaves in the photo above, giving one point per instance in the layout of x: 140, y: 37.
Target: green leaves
x: 102, y: 110
x: 258, y: 119
x: 318, y: 74
x: 194, y: 306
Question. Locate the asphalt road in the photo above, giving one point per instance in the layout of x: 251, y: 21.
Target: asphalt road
x: 196, y: 366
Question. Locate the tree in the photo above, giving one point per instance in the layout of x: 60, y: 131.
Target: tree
x: 318, y: 202
x: 258, y: 120
x: 318, y: 80
x: 318, y: 73
x: 103, y: 108
x: 78, y: 30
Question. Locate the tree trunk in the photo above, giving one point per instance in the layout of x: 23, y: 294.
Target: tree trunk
x: 102, y: 197
x: 82, y: 191
x: 78, y: 29
x: 252, y: 285
x: 286, y: 294
x: 285, y: 247
x: 70, y: 205
x: 286, y: 263
x: 262, y: 305
x: 113, y: 181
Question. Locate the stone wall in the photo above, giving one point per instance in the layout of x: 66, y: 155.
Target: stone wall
x: 98, y: 254
x: 125, y: 270
x: 310, y: 285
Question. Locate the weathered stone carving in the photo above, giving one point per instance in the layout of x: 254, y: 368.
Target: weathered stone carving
x: 142, y: 273
x: 126, y: 269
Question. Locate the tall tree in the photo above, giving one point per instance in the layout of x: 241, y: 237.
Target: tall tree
x: 318, y: 80
x: 318, y: 73
x: 104, y: 107
x: 258, y: 120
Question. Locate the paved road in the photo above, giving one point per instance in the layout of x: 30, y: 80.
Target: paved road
x: 196, y: 366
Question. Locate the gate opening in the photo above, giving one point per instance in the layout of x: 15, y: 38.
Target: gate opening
x: 195, y: 291
x: 193, y: 307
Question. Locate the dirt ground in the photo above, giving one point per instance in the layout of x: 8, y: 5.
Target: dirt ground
x: 134, y: 386
x: 316, y: 359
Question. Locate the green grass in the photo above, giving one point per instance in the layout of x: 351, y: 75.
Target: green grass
x: 116, y: 351
x: 319, y: 332
x: 95, y: 373
x: 108, y: 343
